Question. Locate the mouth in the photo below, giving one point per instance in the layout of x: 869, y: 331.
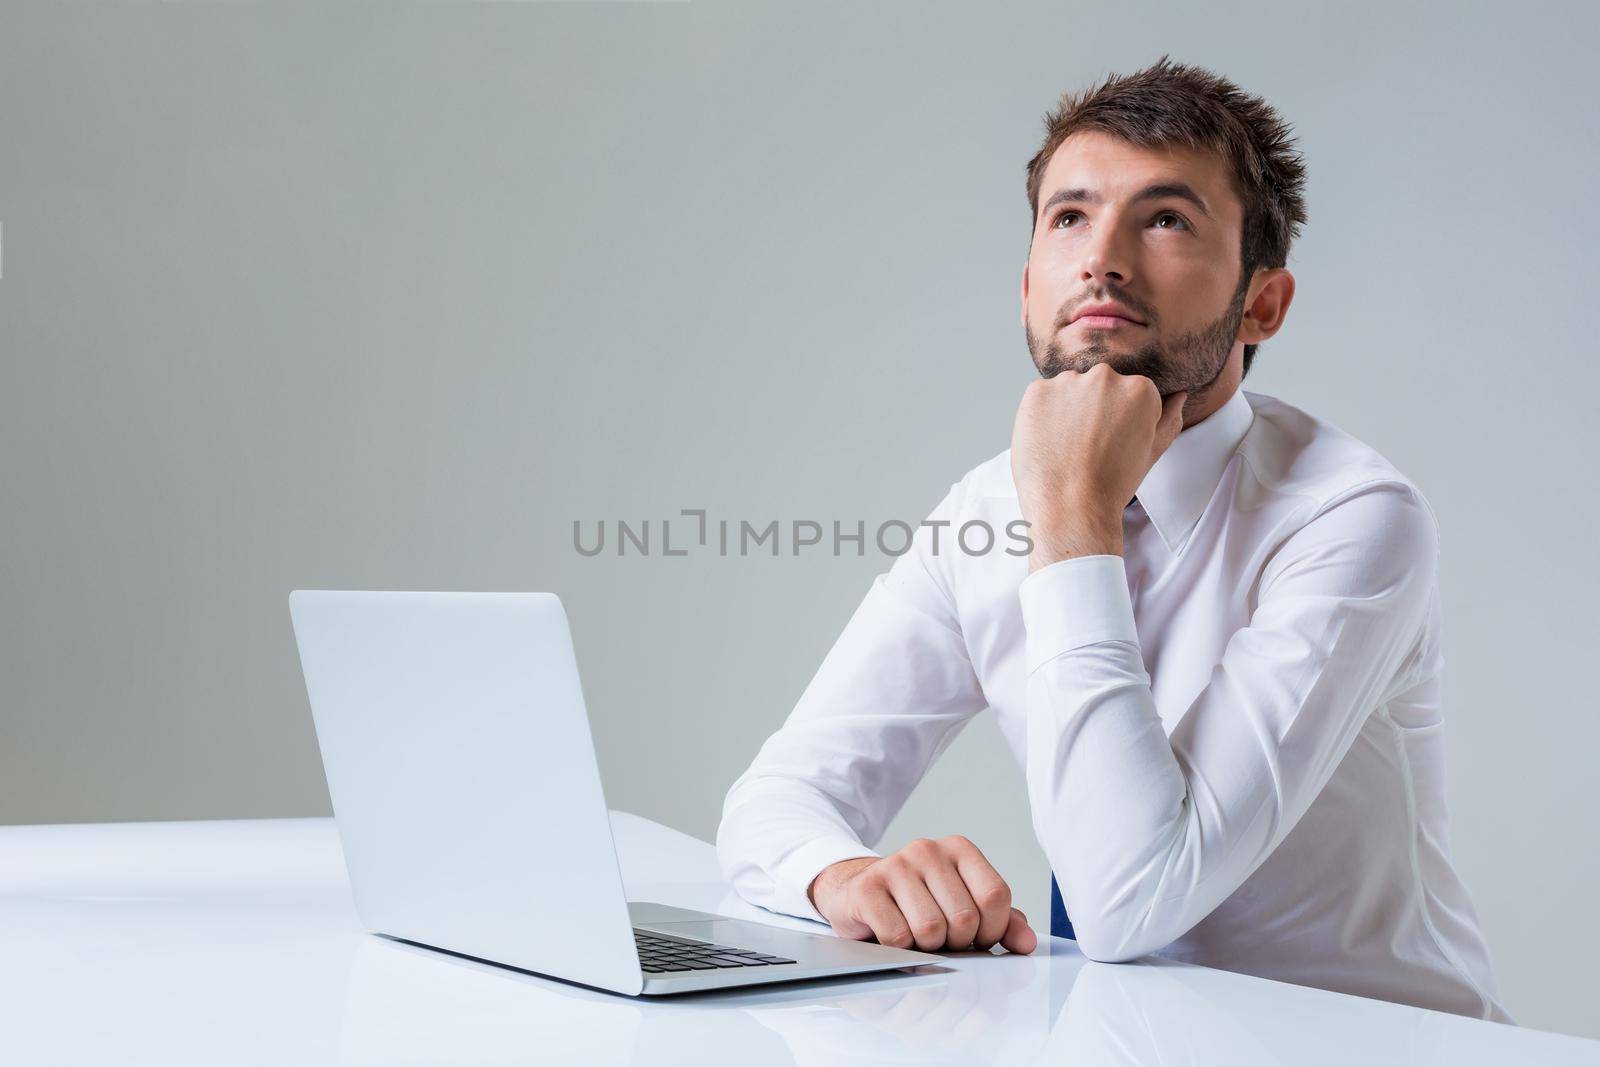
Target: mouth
x: 1104, y: 315
x: 1103, y: 322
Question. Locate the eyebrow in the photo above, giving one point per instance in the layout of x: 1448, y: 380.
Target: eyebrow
x: 1158, y: 191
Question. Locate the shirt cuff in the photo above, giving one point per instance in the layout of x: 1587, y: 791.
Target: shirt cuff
x: 799, y: 868
x: 1073, y: 603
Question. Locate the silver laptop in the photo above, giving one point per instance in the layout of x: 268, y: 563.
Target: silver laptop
x: 464, y: 785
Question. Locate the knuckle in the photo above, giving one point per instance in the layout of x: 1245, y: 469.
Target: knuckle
x: 965, y: 917
x: 899, y: 937
x: 995, y: 896
x: 957, y: 842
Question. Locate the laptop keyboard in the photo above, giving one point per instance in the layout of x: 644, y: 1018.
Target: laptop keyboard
x: 659, y: 953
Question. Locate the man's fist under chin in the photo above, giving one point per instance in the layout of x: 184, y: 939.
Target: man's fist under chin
x: 932, y: 895
x: 1081, y: 445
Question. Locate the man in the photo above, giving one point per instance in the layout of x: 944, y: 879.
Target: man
x: 1218, y: 664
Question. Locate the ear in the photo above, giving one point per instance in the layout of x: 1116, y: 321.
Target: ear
x: 1024, y: 296
x: 1266, y: 304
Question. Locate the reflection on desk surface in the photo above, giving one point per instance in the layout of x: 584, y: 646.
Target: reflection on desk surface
x: 406, y: 1004
x: 236, y: 942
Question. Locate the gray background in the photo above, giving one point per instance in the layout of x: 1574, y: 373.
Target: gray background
x: 386, y: 297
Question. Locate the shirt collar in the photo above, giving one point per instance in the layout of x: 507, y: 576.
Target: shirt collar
x: 1176, y: 490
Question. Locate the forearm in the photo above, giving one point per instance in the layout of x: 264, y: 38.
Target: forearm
x: 1109, y: 798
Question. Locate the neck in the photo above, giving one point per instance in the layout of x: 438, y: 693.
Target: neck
x: 1200, y: 406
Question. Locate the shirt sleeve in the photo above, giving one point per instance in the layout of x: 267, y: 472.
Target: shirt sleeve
x: 1146, y: 832
x: 889, y: 697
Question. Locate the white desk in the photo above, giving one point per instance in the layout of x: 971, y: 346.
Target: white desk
x: 236, y: 942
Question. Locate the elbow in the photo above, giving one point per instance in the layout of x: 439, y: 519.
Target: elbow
x: 1126, y: 904
x: 1097, y: 946
x: 1114, y: 939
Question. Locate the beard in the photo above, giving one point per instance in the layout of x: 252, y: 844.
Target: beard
x: 1191, y: 361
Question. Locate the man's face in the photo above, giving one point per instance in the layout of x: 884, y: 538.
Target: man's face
x: 1114, y: 226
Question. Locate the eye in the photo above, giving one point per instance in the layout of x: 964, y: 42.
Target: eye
x: 1063, y: 215
x: 1173, y: 215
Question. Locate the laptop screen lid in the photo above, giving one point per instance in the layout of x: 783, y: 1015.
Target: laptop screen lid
x: 463, y: 777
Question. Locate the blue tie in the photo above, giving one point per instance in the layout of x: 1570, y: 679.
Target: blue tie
x: 1060, y: 925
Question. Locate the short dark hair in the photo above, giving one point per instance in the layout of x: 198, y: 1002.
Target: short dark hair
x: 1171, y: 103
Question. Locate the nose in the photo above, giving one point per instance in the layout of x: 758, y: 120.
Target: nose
x: 1106, y: 256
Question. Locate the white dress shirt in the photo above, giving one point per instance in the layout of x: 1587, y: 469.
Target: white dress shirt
x: 1231, y: 735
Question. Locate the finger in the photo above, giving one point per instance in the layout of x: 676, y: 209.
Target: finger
x: 961, y: 912
x: 1171, y: 422
x: 851, y: 928
x: 1019, y: 936
x: 922, y: 912
x: 876, y: 908
x: 989, y: 891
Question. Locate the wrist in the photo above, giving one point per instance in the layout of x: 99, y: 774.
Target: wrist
x: 825, y: 886
x: 1071, y: 532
